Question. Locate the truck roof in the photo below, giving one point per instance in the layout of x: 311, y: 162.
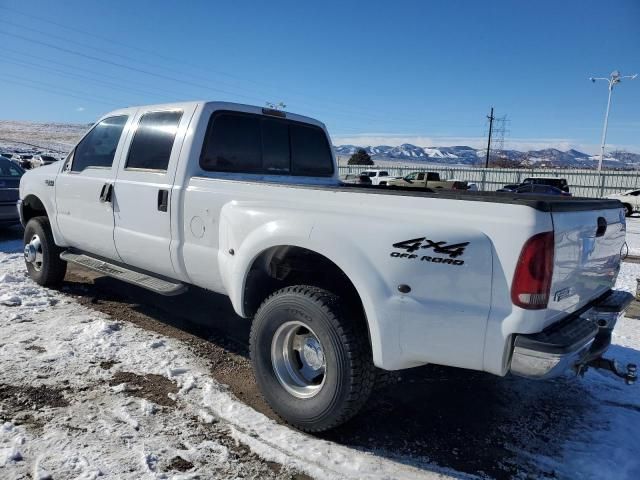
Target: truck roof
x: 237, y: 107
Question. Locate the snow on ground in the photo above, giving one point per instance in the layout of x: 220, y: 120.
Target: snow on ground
x: 51, y: 138
x: 633, y: 235
x: 629, y: 272
x: 84, y: 395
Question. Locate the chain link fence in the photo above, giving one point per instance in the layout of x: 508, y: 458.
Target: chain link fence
x: 582, y: 183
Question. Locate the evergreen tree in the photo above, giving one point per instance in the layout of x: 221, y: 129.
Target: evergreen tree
x: 361, y: 157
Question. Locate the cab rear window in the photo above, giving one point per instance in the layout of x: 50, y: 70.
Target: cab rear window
x: 248, y: 143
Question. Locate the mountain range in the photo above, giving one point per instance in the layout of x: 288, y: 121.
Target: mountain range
x: 464, y: 155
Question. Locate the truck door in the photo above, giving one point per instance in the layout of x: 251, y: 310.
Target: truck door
x: 143, y: 189
x: 83, y: 188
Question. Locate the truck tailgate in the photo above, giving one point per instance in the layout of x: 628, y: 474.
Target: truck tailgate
x: 586, y: 258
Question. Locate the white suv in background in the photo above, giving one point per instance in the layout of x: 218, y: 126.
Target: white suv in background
x: 378, y: 177
x: 630, y: 199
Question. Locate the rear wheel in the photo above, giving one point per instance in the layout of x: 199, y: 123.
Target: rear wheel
x: 628, y: 209
x: 311, y: 358
x: 41, y: 254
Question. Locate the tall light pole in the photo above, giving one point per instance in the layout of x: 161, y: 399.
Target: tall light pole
x: 614, y: 78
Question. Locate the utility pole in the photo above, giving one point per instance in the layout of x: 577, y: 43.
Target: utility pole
x: 491, y: 119
x: 614, y: 79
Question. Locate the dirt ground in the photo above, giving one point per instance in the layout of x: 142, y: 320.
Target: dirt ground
x: 468, y: 421
x: 425, y: 414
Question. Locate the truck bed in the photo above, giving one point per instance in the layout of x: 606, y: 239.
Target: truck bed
x: 543, y: 203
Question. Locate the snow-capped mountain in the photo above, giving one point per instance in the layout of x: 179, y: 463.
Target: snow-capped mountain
x: 465, y: 155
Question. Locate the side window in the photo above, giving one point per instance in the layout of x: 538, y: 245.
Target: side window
x: 98, y: 148
x: 411, y: 176
x: 421, y: 176
x: 310, y: 152
x: 383, y: 174
x: 152, y: 143
x: 233, y: 144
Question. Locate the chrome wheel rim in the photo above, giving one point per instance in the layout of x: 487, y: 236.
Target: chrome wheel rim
x: 33, y: 253
x: 298, y: 359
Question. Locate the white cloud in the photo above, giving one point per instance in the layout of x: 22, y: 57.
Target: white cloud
x: 523, y: 144
x: 80, y: 109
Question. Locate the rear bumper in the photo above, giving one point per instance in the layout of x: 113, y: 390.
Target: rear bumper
x: 572, y: 341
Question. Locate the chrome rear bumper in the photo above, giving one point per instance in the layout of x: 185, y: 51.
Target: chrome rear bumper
x: 571, y: 342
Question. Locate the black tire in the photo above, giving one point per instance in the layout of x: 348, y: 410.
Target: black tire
x: 52, y: 269
x: 628, y: 210
x: 349, y: 376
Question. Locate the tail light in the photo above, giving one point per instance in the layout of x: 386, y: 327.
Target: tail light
x: 532, y: 279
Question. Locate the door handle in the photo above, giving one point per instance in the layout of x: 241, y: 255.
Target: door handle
x: 163, y: 200
x: 106, y: 193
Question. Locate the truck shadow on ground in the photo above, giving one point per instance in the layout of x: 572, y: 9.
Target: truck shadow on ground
x: 466, y: 421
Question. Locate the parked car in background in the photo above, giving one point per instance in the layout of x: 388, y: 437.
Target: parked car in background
x: 630, y: 199
x: 378, y: 177
x: 24, y: 161
x: 559, y: 183
x: 10, y: 175
x: 533, y: 189
x: 427, y: 180
x: 472, y: 187
x: 357, y: 178
x: 512, y: 187
x: 41, y: 160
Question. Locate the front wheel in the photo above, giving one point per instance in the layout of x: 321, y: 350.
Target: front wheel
x: 41, y: 254
x: 311, y: 358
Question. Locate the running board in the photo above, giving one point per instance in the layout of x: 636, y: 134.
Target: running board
x: 155, y: 284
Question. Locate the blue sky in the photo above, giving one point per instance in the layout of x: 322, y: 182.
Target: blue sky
x: 424, y: 72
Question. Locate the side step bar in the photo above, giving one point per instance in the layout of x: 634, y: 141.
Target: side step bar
x: 155, y: 284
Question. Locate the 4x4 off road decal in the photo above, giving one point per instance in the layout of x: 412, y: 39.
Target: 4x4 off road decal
x: 452, y: 250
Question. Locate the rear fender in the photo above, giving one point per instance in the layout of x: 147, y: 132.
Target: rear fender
x: 277, y: 227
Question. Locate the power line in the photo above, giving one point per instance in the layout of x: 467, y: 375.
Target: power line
x: 75, y: 68
x: 325, y: 105
x: 138, y: 61
x: 366, y: 115
x: 121, y: 87
x: 121, y: 65
x: 62, y: 93
x: 173, y: 59
x: 55, y: 71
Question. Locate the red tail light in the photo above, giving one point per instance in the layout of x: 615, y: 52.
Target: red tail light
x: 532, y: 280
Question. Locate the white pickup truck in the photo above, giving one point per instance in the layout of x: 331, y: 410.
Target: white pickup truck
x: 342, y: 281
